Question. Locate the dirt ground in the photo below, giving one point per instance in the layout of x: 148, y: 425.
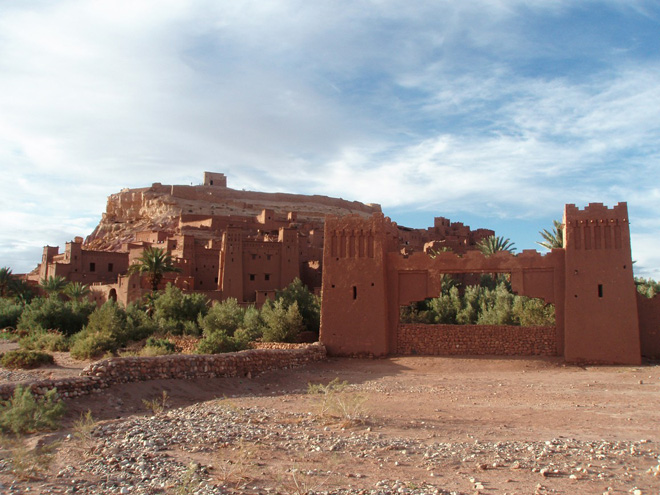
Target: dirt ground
x: 471, y: 406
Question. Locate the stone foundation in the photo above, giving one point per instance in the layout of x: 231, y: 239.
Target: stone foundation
x: 457, y: 340
x: 114, y: 371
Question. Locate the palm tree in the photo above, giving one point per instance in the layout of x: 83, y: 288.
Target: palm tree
x: 53, y: 284
x: 77, y: 291
x: 493, y: 244
x: 22, y: 291
x: 553, y: 238
x: 6, y: 281
x: 154, y: 263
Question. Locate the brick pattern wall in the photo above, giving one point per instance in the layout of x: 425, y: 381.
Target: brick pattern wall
x: 496, y: 340
x: 108, y: 372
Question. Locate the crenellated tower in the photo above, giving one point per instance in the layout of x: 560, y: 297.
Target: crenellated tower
x: 601, y: 322
x: 355, y: 314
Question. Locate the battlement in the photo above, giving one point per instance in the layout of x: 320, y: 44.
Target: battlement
x: 596, y: 227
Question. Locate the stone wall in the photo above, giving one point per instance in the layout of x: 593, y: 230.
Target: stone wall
x: 114, y: 371
x: 500, y: 340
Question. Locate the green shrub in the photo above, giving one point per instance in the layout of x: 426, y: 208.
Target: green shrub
x: 647, y: 287
x: 88, y: 345
x: 309, y: 305
x: 51, y: 313
x: 10, y: 312
x: 530, y: 312
x: 157, y: 347
x: 281, y: 324
x: 22, y: 359
x: 42, y: 340
x: 23, y: 413
x: 177, y: 313
x: 226, y: 316
x: 219, y: 342
x: 139, y: 324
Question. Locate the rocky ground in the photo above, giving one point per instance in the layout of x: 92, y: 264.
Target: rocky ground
x: 408, y: 425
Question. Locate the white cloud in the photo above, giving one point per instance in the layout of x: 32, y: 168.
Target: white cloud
x: 419, y: 107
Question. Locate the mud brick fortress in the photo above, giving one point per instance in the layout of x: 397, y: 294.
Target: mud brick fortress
x: 246, y: 245
x: 226, y: 243
x: 599, y: 315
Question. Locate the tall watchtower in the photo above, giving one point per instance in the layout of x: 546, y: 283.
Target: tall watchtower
x: 354, y: 319
x: 601, y: 322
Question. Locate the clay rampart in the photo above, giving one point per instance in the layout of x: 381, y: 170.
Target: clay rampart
x: 648, y: 310
x: 478, y: 340
x: 115, y: 371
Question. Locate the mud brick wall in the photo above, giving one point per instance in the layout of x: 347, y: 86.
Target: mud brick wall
x: 115, y: 371
x: 496, y: 340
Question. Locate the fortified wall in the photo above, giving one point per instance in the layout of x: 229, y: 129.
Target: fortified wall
x: 367, y: 279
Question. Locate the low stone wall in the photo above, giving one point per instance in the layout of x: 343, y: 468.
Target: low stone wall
x: 496, y: 340
x: 114, y: 371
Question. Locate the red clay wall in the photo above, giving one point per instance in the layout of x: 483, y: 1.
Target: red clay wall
x: 649, y: 325
x: 450, y: 340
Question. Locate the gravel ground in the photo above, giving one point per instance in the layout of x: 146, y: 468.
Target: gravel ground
x: 270, y: 436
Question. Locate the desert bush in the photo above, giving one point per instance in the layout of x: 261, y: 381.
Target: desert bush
x: 157, y: 405
x: 219, y: 342
x: 24, y: 462
x: 44, y: 340
x: 88, y: 345
x: 51, y: 313
x: 83, y: 428
x: 23, y: 413
x: 281, y: 324
x: 22, y: 359
x: 336, y: 401
x: 157, y: 347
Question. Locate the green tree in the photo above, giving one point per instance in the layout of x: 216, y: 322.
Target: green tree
x: 494, y: 244
x: 225, y: 316
x: 309, y: 305
x: 77, y: 291
x: 6, y: 281
x: 647, y: 287
x: 553, y: 238
x: 177, y: 312
x: 282, y: 324
x: 53, y: 285
x: 22, y: 291
x: 53, y: 314
x: 154, y: 263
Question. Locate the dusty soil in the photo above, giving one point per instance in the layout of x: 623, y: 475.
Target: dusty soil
x: 424, y: 425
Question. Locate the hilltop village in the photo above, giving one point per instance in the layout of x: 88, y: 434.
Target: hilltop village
x: 227, y: 243
x: 248, y: 245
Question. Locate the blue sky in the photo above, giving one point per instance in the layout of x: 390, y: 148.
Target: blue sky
x: 492, y: 113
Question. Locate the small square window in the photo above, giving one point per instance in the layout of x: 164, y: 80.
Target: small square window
x: 110, y: 267
x: 267, y: 276
x: 92, y: 267
x: 252, y: 277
